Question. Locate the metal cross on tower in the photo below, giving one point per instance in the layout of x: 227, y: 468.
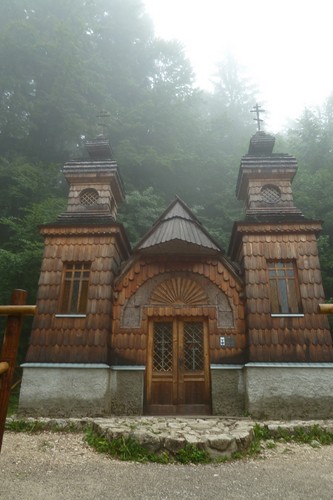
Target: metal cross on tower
x: 103, y: 116
x: 256, y: 109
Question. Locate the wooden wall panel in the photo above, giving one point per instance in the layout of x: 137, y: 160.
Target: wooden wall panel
x: 75, y: 340
x: 299, y: 339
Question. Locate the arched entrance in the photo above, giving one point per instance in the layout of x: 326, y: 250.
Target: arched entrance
x: 178, y: 375
x: 172, y: 324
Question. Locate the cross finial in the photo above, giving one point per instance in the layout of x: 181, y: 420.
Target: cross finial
x: 103, y: 116
x: 256, y: 109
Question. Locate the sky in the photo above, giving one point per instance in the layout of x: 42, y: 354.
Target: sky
x: 285, y: 47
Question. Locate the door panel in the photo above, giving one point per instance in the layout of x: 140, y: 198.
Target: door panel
x: 178, y: 378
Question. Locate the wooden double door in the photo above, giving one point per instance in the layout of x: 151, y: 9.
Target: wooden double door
x: 178, y: 375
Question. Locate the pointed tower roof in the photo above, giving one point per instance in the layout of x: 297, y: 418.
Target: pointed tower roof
x: 265, y: 178
x: 95, y: 186
x: 178, y: 230
x: 99, y: 148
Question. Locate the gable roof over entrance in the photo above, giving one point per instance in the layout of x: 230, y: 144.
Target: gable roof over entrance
x: 177, y: 229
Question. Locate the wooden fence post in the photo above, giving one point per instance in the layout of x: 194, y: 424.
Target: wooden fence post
x: 8, y: 355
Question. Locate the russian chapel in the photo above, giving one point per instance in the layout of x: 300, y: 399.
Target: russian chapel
x: 177, y: 325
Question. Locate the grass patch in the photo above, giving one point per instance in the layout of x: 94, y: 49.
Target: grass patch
x: 34, y: 426
x: 130, y: 450
x: 261, y: 432
x: 25, y: 426
x: 13, y: 403
x: 301, y: 435
x: 191, y: 454
x: 307, y: 436
x: 122, y: 448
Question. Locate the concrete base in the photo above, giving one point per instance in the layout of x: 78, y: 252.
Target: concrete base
x: 228, y: 391
x: 127, y: 390
x: 65, y: 390
x: 289, y: 390
x: 262, y: 390
x: 68, y: 390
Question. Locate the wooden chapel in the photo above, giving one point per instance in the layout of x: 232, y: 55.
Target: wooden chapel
x: 176, y: 326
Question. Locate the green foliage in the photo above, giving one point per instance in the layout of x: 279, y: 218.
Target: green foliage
x: 21, y: 253
x: 261, y: 432
x: 122, y: 448
x: 139, y: 212
x: 311, y: 141
x: 129, y: 449
x: 80, y: 57
x: 192, y: 454
x: 305, y: 435
x: 326, y: 262
x: 30, y: 426
x: 13, y: 402
x: 29, y: 197
x: 35, y: 426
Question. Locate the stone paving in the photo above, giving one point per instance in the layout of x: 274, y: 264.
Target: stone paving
x: 216, y: 435
x: 219, y: 436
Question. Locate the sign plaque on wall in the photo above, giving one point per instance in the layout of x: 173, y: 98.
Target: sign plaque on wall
x: 227, y: 341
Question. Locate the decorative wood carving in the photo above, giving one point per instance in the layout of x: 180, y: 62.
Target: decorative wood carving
x: 197, y: 291
x: 180, y: 291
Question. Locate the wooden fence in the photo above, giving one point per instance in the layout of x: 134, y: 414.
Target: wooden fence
x: 15, y: 312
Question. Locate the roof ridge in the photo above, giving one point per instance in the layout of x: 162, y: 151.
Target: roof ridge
x: 176, y: 226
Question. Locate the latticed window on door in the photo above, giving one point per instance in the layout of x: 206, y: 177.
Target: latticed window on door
x: 193, y: 346
x: 162, y: 356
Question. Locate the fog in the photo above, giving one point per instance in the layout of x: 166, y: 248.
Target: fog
x: 284, y: 47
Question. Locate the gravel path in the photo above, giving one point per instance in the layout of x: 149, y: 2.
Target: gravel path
x: 52, y: 466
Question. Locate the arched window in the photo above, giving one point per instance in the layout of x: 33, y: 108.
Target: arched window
x: 270, y: 194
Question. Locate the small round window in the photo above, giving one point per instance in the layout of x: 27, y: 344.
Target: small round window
x: 270, y: 194
x: 88, y: 197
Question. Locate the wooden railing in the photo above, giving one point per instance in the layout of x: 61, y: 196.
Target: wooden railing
x: 325, y: 308
x: 15, y: 313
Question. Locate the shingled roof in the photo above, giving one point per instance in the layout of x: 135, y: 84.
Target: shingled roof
x: 178, y: 228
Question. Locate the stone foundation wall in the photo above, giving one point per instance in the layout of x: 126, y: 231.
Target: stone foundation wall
x: 65, y: 391
x: 228, y: 397
x: 81, y: 390
x: 264, y: 391
x: 289, y: 391
x: 127, y: 390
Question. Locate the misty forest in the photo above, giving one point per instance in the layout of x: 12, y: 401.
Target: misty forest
x: 63, y: 62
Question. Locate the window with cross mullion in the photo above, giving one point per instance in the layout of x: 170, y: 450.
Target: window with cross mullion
x: 74, y: 295
x: 284, y: 289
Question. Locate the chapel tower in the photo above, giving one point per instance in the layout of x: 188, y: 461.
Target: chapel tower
x: 276, y: 247
x: 84, y: 249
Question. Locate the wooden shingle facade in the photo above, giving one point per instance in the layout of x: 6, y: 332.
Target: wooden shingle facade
x: 284, y: 336
x: 62, y: 335
x: 175, y: 326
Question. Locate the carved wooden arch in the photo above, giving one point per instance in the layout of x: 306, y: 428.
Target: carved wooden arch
x: 179, y: 290
x: 186, y: 289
